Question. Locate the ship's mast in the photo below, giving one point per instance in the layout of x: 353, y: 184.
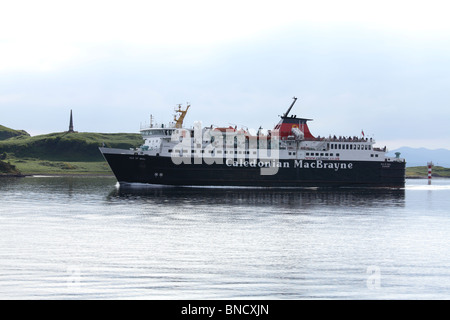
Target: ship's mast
x: 289, y: 110
x: 182, y: 114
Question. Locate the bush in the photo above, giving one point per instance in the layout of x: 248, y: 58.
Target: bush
x: 7, y: 168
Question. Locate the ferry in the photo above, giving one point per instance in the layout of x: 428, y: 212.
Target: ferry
x: 288, y: 156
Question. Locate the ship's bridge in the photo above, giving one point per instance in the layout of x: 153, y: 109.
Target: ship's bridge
x: 157, y: 132
x: 164, y: 130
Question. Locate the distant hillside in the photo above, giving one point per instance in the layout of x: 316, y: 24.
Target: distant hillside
x: 6, y: 133
x: 63, y: 146
x: 421, y: 156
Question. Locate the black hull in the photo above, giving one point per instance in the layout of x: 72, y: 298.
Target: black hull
x: 129, y: 168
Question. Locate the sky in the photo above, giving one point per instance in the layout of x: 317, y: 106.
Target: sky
x: 382, y: 67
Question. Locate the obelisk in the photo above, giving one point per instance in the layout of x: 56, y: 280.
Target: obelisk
x: 71, y: 122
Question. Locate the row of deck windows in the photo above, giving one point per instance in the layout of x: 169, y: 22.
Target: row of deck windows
x: 339, y: 146
x: 211, y: 151
x: 317, y: 154
x: 308, y: 154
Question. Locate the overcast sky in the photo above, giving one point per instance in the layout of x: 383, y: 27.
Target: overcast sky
x: 378, y: 66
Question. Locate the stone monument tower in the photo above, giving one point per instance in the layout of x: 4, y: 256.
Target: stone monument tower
x: 71, y: 122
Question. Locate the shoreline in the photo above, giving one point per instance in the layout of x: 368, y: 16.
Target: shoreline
x: 69, y: 175
x: 57, y: 175
x: 8, y: 175
x: 106, y: 174
x: 426, y: 178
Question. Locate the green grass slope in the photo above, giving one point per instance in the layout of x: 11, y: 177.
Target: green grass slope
x: 64, y: 153
x: 65, y: 146
x: 6, y: 133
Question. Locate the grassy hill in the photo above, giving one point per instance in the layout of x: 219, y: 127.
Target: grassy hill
x: 6, y: 133
x: 64, y: 152
x: 65, y: 146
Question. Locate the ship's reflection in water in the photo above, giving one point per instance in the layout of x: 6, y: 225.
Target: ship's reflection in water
x: 261, y: 197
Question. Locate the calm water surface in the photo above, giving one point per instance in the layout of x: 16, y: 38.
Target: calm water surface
x: 88, y: 238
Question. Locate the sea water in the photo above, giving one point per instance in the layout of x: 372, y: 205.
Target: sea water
x: 89, y: 238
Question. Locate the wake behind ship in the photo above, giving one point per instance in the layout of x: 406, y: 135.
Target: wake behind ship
x: 287, y: 156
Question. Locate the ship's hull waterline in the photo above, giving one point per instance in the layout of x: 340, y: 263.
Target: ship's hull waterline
x: 161, y: 170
